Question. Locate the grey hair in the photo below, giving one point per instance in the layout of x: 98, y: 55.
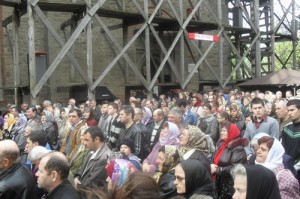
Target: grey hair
x: 138, y: 111
x: 239, y: 170
x: 37, y: 153
x: 175, y: 111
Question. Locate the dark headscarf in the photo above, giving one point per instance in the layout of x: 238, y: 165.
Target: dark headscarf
x: 197, y: 178
x: 261, y: 183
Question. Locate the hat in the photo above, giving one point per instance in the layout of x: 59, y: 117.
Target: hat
x: 129, y: 143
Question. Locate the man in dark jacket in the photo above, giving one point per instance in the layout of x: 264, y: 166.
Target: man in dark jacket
x: 52, y: 176
x: 16, y: 181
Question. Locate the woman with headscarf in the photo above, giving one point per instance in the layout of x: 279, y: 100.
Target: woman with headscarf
x: 167, y: 160
x: 230, y: 151
x: 51, y: 129
x: 117, y: 172
x: 269, y: 155
x: 194, y: 145
x: 193, y: 180
x: 168, y: 136
x: 147, y: 118
x: 254, y: 181
x: 63, y: 125
x: 8, y: 125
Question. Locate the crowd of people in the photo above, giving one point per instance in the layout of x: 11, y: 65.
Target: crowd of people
x: 185, y: 145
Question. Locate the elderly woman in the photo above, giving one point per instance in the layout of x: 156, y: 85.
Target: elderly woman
x: 269, y: 154
x: 193, y: 180
x: 51, y: 128
x: 254, y: 181
x: 168, y: 136
x: 193, y: 145
x: 230, y: 151
x: 168, y: 158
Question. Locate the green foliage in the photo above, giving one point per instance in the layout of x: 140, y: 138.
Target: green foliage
x: 283, y: 51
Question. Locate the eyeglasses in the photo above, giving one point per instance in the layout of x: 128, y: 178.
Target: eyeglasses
x: 179, y: 178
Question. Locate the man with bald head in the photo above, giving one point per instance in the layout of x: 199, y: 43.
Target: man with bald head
x: 52, y: 176
x: 16, y: 181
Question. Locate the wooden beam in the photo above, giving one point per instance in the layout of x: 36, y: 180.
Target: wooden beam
x: 89, y: 56
x: 60, y: 41
x: 17, y: 79
x: 31, y: 54
x: 68, y: 45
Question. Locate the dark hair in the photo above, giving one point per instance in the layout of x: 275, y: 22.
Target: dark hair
x: 89, y: 110
x: 128, y: 110
x: 295, y: 102
x: 138, y: 185
x: 105, y: 102
x: 257, y: 100
x: 182, y: 103
x: 95, y: 131
x: 33, y: 108
x: 266, y: 139
x: 114, y: 105
x: 207, y: 105
x: 225, y: 115
x: 79, y: 114
x: 39, y: 137
x: 36, y: 128
x: 58, y: 164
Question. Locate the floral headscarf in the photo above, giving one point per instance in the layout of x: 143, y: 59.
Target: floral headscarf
x: 173, y: 134
x: 197, y: 140
x: 118, y: 170
x: 172, y: 158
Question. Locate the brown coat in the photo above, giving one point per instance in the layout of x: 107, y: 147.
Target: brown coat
x: 75, y: 139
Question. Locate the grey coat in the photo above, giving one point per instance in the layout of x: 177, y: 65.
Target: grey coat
x: 92, y: 172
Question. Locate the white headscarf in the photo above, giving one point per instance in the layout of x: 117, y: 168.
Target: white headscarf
x: 274, y: 157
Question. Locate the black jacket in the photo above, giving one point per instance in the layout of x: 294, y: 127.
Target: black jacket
x: 63, y: 191
x: 17, y: 182
x: 167, y: 188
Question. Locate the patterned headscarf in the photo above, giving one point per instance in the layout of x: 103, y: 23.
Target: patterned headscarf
x: 118, y: 170
x: 197, y: 140
x: 172, y: 158
x: 173, y: 134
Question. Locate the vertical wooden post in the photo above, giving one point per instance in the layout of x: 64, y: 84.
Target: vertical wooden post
x: 16, y: 62
x: 89, y: 38
x: 31, y: 53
